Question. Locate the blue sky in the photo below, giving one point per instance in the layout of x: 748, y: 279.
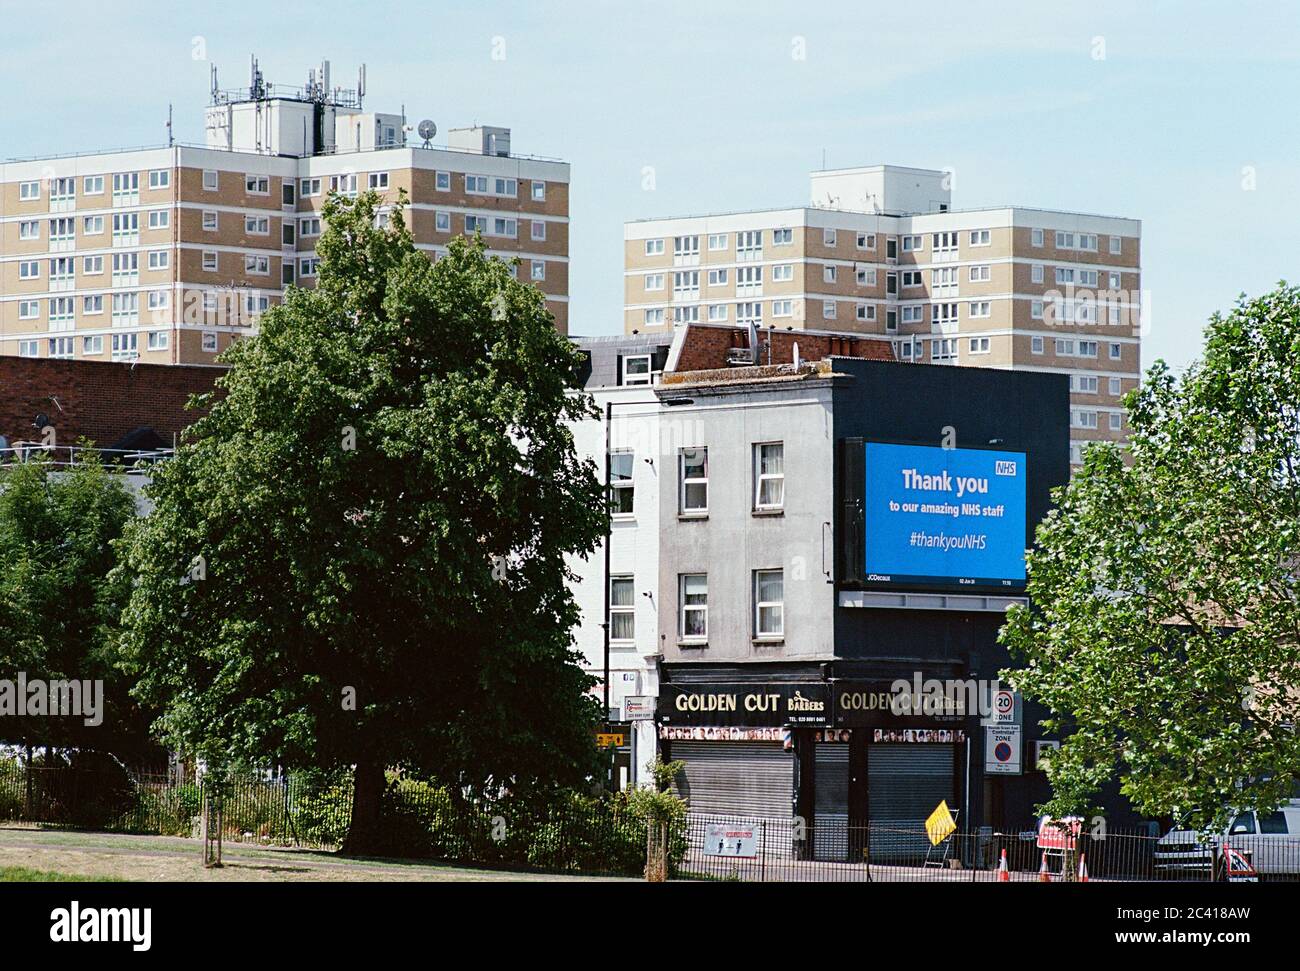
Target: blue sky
x: 1190, y: 102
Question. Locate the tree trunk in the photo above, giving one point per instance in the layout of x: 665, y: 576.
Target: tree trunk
x: 365, y: 832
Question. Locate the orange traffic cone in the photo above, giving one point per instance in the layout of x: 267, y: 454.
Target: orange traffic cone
x: 1044, y: 875
x: 1083, y: 868
x: 1004, y: 875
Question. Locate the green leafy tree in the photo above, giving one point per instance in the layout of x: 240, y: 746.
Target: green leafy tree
x: 58, y: 608
x: 357, y: 558
x: 1165, y: 627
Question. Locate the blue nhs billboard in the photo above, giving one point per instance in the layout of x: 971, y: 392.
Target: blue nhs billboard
x: 944, y: 516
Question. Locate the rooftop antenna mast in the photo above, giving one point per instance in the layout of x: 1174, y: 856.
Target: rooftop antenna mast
x: 213, y: 73
x: 170, y: 141
x: 361, y: 85
x: 256, y: 89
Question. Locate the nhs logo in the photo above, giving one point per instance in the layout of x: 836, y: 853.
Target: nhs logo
x: 1004, y: 467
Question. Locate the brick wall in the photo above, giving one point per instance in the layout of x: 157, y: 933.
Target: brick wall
x: 97, y: 400
x: 705, y: 348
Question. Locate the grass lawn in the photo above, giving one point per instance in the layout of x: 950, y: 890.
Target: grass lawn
x: 22, y: 874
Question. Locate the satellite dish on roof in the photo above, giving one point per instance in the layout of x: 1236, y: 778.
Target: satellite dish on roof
x: 427, y: 130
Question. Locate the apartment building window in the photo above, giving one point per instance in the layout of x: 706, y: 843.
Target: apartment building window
x: 780, y: 308
x: 622, y: 493
x: 1083, y: 383
x: 308, y: 188
x: 1116, y: 245
x: 210, y: 180
x: 211, y: 220
x: 258, y: 185
x: 717, y: 242
x: 981, y: 308
x: 539, y: 191
x: 911, y: 278
x: 1064, y: 347
x: 749, y: 281
x: 29, y: 270
x: 769, y: 475
x: 686, y: 284
x: 978, y: 345
x: 943, y: 313
x: 693, y: 621
x: 504, y: 226
x: 160, y: 179
x: 1088, y: 278
x: 749, y: 245
x: 28, y: 192
x: 1114, y: 279
x: 943, y: 349
x: 442, y: 181
x: 828, y: 237
x: 1036, y: 273
x: 344, y: 185
x: 62, y: 310
x: 866, y: 311
x: 979, y: 237
x: 209, y: 342
x: 160, y: 218
x: 694, y: 465
x: 126, y: 228
x: 257, y: 225
x: 686, y: 246
x: 378, y: 180
x: 442, y: 222
x: 539, y: 270
x: 61, y: 347
x: 93, y: 344
x: 157, y: 340
x: 209, y: 261
x: 945, y: 280
x: 655, y: 281
x: 783, y: 273
x: 309, y: 266
x: 866, y: 241
x: 717, y: 278
x: 1116, y: 350
x: 914, y: 314
x: 29, y: 309
x: 911, y: 349
x: 750, y: 312
x: 92, y: 185
x: 866, y: 276
x: 92, y: 304
x: 477, y: 184
x: 1036, y: 309
x: 286, y: 273
x: 637, y: 369
x: 29, y: 230
x: 62, y: 231
x: 538, y: 229
x: 1088, y: 242
x: 654, y: 247
x: 782, y: 237
x: 1087, y: 348
x: 828, y: 274
x: 309, y: 226
x: 1035, y: 237
x: 257, y: 265
x: 891, y: 320
x: 29, y: 349
x: 654, y: 317
x: 92, y: 265
x: 717, y: 312
x: 159, y: 299
x: 1084, y: 418
x: 126, y: 345
x: 160, y: 259
x: 1115, y: 387
x: 830, y: 310
x: 476, y: 224
x: 769, y: 603
x: 126, y: 309
x: 1116, y: 421
x: 686, y: 315
x: 944, y: 242
x: 505, y: 187
x: 1036, y: 345
x: 912, y: 244
x: 981, y: 274
x: 622, y: 609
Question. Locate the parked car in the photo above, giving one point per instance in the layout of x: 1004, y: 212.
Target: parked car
x: 1271, y: 840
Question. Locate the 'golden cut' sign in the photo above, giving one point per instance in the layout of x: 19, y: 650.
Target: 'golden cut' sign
x: 754, y: 705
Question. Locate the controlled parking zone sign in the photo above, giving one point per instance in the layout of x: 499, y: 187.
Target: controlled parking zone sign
x: 738, y: 840
x: 1002, y: 750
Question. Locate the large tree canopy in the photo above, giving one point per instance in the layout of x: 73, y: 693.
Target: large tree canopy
x: 58, y: 610
x: 1165, y: 627
x: 378, y: 507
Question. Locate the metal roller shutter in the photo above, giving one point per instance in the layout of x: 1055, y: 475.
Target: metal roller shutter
x: 904, y: 784
x: 749, y: 779
x: 831, y: 801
